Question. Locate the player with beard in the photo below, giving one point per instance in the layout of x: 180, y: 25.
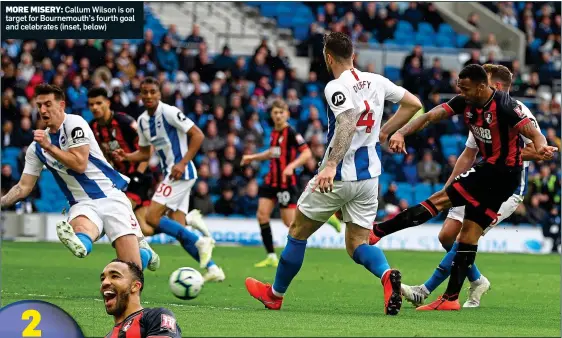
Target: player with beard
x: 121, y: 287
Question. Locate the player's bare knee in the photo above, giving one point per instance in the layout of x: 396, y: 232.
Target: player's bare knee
x: 441, y: 200
x: 446, y: 238
x: 263, y: 217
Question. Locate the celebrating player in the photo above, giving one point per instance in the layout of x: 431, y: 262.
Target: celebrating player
x: 348, y: 176
x: 499, y: 77
x: 167, y: 129
x: 114, y: 130
x: 496, y: 120
x: 121, y: 287
x: 281, y: 181
x: 93, y: 188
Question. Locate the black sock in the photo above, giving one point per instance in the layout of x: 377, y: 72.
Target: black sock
x: 466, y: 254
x: 410, y: 217
x: 267, y: 237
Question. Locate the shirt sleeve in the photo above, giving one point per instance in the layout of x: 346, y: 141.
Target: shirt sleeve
x: 177, y: 118
x: 531, y: 117
x: 338, y: 97
x: 514, y: 114
x: 143, y: 141
x: 33, y: 165
x: 455, y: 106
x: 161, y: 323
x: 298, y: 140
x: 392, y: 92
x: 79, y: 132
x: 470, y: 141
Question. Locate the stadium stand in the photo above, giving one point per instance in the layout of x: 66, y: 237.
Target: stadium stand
x: 228, y: 95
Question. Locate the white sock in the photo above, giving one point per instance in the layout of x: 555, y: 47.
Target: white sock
x: 478, y: 281
x: 213, y: 268
x: 425, y: 290
x: 272, y: 255
x: 188, y: 219
x: 278, y: 294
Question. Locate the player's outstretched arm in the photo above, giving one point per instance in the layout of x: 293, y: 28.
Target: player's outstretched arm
x: 409, y: 106
x: 140, y: 155
x: 20, y: 190
x: 539, y: 141
x: 464, y: 163
x: 264, y: 155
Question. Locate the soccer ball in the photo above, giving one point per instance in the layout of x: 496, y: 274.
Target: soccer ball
x: 186, y: 283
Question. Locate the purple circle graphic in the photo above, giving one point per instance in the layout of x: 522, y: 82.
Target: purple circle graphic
x: 35, y: 318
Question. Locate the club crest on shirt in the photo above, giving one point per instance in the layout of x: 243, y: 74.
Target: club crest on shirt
x: 168, y: 322
x: 469, y: 114
x: 519, y: 112
x: 127, y: 325
x: 488, y: 117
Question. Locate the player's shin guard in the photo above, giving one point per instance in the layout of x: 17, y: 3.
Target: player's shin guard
x: 410, y: 217
x: 372, y: 258
x: 289, y: 264
x: 464, y: 259
x: 146, y: 256
x: 86, y: 240
x: 267, y: 237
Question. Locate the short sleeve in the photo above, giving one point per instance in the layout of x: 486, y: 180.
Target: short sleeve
x: 161, y: 323
x: 298, y: 141
x: 514, y: 114
x: 455, y: 106
x: 78, y: 132
x: 338, y: 97
x: 143, y: 141
x: 177, y: 118
x: 471, y: 141
x: 33, y: 165
x: 392, y: 92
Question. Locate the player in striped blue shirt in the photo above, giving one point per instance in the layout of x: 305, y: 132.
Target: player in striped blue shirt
x: 176, y: 140
x: 93, y: 188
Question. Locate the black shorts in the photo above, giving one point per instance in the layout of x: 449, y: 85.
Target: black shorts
x: 287, y: 197
x: 482, y: 190
x: 139, y: 189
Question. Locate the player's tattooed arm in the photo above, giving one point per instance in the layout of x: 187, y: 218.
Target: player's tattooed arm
x: 342, y: 140
x: 539, y: 141
x: 19, y: 191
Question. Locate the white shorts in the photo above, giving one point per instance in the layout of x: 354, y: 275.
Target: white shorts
x: 358, y: 201
x: 507, y: 209
x: 113, y: 215
x: 174, y: 194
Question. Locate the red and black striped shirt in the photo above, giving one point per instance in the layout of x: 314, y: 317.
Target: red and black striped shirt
x: 147, y: 323
x: 495, y: 127
x: 118, y: 132
x: 284, y: 146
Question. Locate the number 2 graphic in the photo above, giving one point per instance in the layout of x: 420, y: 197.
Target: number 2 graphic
x: 35, y: 318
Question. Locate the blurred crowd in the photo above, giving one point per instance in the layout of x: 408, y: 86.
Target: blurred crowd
x: 229, y: 96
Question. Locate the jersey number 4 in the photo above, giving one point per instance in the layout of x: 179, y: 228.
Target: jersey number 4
x: 366, y: 120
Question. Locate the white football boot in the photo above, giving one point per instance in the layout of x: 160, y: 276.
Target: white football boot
x: 476, y: 290
x: 214, y: 274
x: 205, y: 247
x: 195, y: 220
x: 154, y: 263
x: 414, y: 294
x: 70, y: 240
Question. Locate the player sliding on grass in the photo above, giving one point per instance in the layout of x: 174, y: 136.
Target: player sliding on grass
x: 496, y: 120
x: 93, y: 188
x: 348, y: 174
x: 499, y: 78
x: 121, y: 287
x: 281, y: 182
x: 176, y: 140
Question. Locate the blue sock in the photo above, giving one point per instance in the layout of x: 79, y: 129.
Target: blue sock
x: 146, y: 256
x: 473, y: 273
x: 86, y: 240
x: 443, y: 270
x: 186, y: 238
x: 289, y: 264
x: 372, y: 258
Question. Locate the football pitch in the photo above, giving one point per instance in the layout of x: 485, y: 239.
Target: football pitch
x: 332, y: 296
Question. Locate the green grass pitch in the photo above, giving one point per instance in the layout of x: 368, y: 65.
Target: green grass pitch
x: 332, y: 296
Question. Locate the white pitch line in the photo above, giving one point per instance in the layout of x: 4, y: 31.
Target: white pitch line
x: 100, y: 300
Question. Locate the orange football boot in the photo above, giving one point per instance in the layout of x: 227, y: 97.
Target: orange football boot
x: 441, y: 304
x: 262, y: 292
x: 392, y: 282
x: 373, y: 239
